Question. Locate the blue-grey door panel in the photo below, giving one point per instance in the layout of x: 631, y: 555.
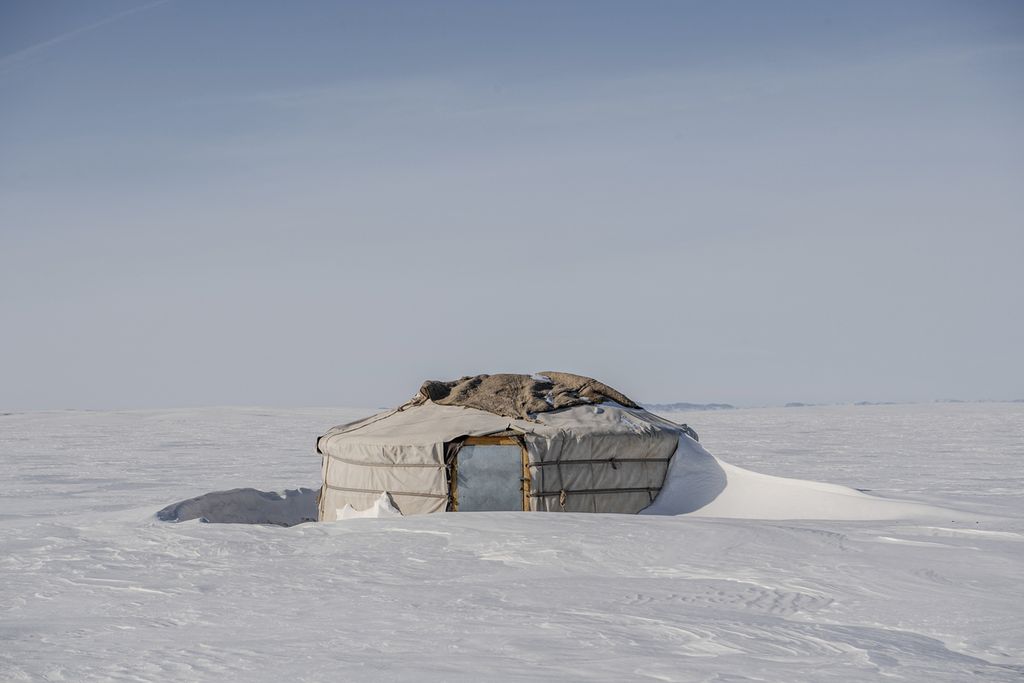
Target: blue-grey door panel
x: 490, y: 478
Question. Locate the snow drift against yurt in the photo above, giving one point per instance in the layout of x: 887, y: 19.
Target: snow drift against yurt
x: 556, y: 442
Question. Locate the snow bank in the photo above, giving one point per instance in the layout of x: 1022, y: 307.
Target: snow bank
x: 96, y: 588
x: 246, y: 506
x: 382, y: 507
x: 701, y: 485
x: 698, y: 484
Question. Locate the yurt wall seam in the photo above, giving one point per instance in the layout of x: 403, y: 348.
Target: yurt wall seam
x: 545, y: 494
x: 363, y: 463
x: 393, y: 493
x: 594, y: 461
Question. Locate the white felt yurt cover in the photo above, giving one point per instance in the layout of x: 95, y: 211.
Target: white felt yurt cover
x: 589, y: 457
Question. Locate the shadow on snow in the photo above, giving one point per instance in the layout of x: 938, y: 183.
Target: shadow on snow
x: 246, y: 506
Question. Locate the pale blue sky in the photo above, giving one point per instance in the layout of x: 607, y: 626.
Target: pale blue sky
x: 324, y: 203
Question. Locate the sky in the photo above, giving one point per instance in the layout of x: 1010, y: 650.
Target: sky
x: 326, y: 203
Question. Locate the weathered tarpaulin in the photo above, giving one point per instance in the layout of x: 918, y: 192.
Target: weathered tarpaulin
x: 521, y: 395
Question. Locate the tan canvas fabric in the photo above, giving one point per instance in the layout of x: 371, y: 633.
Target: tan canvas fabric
x: 586, y: 458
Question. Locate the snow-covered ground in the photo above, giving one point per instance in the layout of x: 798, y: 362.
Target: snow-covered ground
x: 94, y: 586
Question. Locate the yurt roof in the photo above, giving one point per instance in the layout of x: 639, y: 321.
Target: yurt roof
x: 521, y: 396
x: 443, y: 411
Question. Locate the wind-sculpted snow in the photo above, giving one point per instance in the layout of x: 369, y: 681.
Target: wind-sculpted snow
x: 700, y: 484
x: 246, y: 506
x: 95, y: 587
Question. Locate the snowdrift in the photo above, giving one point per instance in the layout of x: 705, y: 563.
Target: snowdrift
x: 384, y: 506
x: 95, y: 587
x: 698, y: 484
x: 701, y: 485
x: 246, y: 506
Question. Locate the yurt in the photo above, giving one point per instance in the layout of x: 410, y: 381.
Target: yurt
x: 553, y: 442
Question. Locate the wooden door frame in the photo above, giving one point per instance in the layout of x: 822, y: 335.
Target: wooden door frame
x: 504, y: 440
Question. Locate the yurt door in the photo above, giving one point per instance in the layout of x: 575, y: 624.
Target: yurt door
x: 489, y: 475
